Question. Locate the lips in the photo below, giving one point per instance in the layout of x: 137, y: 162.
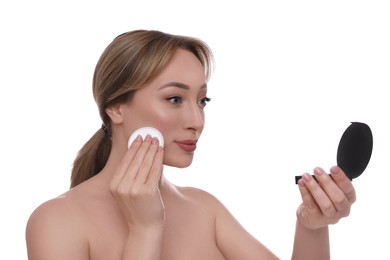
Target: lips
x: 188, y: 146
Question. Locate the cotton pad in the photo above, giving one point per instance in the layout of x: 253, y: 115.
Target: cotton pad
x: 143, y: 132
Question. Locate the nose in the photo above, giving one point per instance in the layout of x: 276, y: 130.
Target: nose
x: 194, y: 118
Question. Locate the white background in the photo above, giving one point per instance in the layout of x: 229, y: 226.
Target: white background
x: 290, y: 77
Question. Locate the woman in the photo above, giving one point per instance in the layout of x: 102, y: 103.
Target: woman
x: 120, y: 205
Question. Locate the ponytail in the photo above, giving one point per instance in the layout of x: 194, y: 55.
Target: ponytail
x: 92, y: 157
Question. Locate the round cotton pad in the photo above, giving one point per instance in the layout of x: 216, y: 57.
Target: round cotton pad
x: 144, y: 131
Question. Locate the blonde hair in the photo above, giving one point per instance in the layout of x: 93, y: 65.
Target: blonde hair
x: 128, y: 63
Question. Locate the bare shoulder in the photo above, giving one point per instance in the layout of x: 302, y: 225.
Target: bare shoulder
x: 56, y: 209
x: 54, y: 228
x: 200, y: 197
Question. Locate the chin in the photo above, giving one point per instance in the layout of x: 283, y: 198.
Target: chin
x: 178, y: 162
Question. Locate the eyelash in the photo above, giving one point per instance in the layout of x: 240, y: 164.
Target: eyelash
x: 174, y: 100
x: 204, y: 101
x: 178, y: 100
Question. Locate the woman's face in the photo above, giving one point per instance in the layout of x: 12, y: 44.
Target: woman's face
x: 174, y: 104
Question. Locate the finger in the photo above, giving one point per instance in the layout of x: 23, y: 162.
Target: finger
x: 131, y: 172
x: 333, y: 191
x: 157, y: 168
x: 126, y: 161
x: 307, y: 198
x: 129, y: 179
x: 139, y: 157
x: 344, y: 183
x: 319, y: 195
x: 147, y: 163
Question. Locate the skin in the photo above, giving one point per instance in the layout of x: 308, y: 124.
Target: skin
x: 131, y: 211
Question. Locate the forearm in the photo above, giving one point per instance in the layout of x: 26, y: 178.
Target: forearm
x: 311, y: 244
x: 143, y: 245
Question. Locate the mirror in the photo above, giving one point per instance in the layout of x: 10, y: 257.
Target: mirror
x: 354, y: 150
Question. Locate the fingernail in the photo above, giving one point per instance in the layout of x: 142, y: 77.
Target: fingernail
x: 154, y: 140
x: 318, y: 171
x: 335, y: 170
x: 306, y: 177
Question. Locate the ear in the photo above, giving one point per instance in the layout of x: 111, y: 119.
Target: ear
x: 115, y: 113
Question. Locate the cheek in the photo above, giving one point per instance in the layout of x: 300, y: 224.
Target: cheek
x: 166, y: 122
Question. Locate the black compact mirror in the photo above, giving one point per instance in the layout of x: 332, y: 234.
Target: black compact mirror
x: 354, y: 150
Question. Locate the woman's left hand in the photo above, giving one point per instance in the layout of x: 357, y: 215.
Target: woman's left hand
x: 326, y: 200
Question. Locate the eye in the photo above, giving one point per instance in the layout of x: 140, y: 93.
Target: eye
x: 175, y: 100
x: 204, y: 101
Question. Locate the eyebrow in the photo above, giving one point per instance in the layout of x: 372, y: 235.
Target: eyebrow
x: 179, y: 85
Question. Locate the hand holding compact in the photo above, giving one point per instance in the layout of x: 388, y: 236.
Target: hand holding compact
x: 326, y: 198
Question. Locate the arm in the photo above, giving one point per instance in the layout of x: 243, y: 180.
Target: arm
x: 311, y: 244
x: 324, y: 202
x: 234, y: 241
x: 143, y: 244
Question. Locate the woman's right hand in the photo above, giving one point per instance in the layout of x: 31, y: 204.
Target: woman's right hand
x: 135, y: 184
